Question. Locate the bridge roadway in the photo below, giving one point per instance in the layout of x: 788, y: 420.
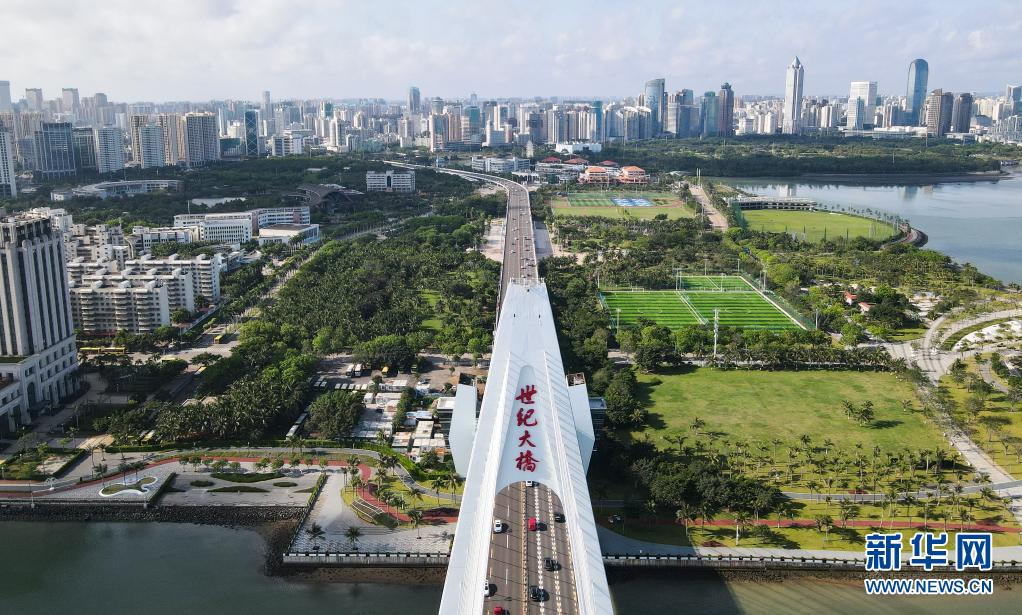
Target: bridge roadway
x: 517, y: 555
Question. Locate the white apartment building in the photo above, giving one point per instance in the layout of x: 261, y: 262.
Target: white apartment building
x: 37, y: 342
x: 105, y: 303
x: 491, y: 164
x: 8, y: 183
x: 305, y: 234
x: 239, y: 227
x: 287, y: 145
x: 390, y: 181
x: 109, y: 149
x: 143, y: 238
x: 205, y: 271
x: 151, y: 144
x: 200, y: 140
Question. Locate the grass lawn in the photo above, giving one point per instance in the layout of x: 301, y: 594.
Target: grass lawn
x: 815, y: 224
x: 997, y: 429
x: 242, y: 477
x: 760, y: 406
x: 239, y: 489
x: 839, y: 539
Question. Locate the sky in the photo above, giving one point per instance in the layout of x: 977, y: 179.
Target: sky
x: 148, y: 50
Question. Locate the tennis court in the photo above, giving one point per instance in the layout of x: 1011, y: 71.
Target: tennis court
x: 737, y: 302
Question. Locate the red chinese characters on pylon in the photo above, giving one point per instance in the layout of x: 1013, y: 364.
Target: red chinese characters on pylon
x: 525, y: 420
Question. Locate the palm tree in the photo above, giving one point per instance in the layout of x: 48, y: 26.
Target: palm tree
x: 352, y: 461
x: 741, y: 521
x: 353, y: 534
x: 357, y: 483
x: 846, y: 510
x: 684, y: 514
x: 415, y: 516
x: 824, y: 523
x: 316, y: 533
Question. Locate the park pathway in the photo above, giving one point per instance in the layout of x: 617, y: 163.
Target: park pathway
x: 717, y: 220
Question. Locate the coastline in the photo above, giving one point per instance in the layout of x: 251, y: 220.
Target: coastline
x: 884, y: 179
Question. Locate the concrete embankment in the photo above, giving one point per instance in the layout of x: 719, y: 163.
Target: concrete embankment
x: 206, y: 515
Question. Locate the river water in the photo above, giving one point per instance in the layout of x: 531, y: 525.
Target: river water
x: 974, y: 222
x: 167, y: 568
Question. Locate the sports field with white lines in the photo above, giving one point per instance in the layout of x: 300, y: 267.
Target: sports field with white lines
x: 738, y: 302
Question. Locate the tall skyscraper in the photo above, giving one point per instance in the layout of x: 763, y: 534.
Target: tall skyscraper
x: 656, y: 102
x: 109, y: 149
x: 860, y: 116
x: 251, y: 133
x: 201, y: 144
x: 915, y: 91
x: 961, y: 113
x: 267, y: 109
x: 84, y: 143
x: 939, y: 110
x: 708, y: 115
x: 151, y: 148
x: 34, y: 99
x: 726, y: 115
x: 54, y: 150
x: 37, y: 340
x: 136, y: 122
x: 69, y: 101
x: 170, y: 124
x: 1014, y: 95
x: 413, y: 100
x: 5, y: 97
x: 8, y: 183
x: 793, y: 80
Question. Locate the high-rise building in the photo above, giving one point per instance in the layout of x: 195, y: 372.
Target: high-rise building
x: 54, y: 150
x: 84, y: 143
x: 961, y: 113
x: 251, y: 133
x: 151, y: 148
x: 708, y: 110
x: 37, y: 340
x: 860, y: 116
x: 915, y: 91
x: 793, y: 81
x: 939, y: 110
x: 109, y: 149
x: 726, y: 115
x: 1014, y: 95
x: 170, y: 124
x: 656, y: 102
x: 201, y: 143
x: 136, y: 122
x: 69, y: 101
x: 34, y: 99
x: 413, y: 100
x: 5, y: 97
x: 8, y: 183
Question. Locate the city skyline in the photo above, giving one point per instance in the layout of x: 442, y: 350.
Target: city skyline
x: 251, y: 47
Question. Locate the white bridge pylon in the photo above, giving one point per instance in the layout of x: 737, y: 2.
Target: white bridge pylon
x: 532, y: 426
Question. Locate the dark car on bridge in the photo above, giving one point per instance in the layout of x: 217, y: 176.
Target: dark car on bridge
x: 537, y: 594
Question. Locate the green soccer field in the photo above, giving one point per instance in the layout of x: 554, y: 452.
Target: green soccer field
x: 739, y: 305
x: 816, y: 225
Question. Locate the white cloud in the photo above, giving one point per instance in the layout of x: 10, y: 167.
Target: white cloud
x: 201, y: 49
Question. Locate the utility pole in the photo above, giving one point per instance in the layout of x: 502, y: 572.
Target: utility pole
x: 716, y: 325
